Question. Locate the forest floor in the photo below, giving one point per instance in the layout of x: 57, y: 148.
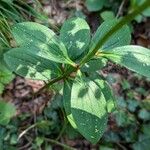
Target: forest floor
x: 126, y: 85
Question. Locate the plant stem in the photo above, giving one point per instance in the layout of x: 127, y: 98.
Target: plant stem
x: 65, y: 75
x: 25, y: 131
x: 60, y: 144
x: 64, y: 126
x: 49, y: 140
x: 119, y: 25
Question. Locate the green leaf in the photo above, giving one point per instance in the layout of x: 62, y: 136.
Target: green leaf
x: 121, y: 102
x: 144, y: 114
x: 94, y: 5
x: 146, y: 129
x: 111, y: 136
x: 120, y: 38
x: 27, y: 63
x: 129, y: 134
x: 6, y: 76
x: 8, y: 1
x: 121, y: 118
x: 146, y: 104
x: 75, y: 34
x: 67, y: 101
x: 106, y: 89
x: 124, y: 119
x: 105, y: 148
x: 107, y: 15
x: 13, y: 139
x: 7, y: 111
x: 39, y: 141
x: 136, y: 3
x: 71, y: 133
x: 125, y: 85
x: 135, y: 58
x: 88, y: 108
x: 132, y: 105
x: 111, y: 79
x: 142, y: 143
x: 146, y: 12
x: 94, y: 65
x: 46, y: 43
x: 56, y: 101
x: 79, y: 13
x: 1, y: 88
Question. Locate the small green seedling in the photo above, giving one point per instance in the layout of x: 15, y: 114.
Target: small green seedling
x: 75, y: 58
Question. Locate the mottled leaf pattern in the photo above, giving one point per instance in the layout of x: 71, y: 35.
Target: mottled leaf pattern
x: 75, y: 34
x: 119, y: 38
x: 88, y: 102
x: 135, y: 58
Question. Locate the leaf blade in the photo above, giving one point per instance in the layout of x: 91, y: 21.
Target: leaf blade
x: 6, y: 76
x: 120, y: 38
x: 67, y: 101
x: 29, y: 34
x: 135, y: 58
x: 107, y: 91
x: 91, y: 107
x: 27, y: 64
x: 75, y: 34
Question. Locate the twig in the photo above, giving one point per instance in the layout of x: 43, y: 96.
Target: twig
x: 63, y: 128
x: 120, y: 8
x: 121, y: 146
x: 60, y: 144
x: 25, y: 146
x: 49, y: 140
x: 34, y: 116
x: 25, y: 131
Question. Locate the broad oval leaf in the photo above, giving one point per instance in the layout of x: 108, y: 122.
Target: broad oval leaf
x: 88, y: 108
x: 75, y: 34
x: 29, y: 34
x: 26, y: 63
x: 120, y: 38
x: 94, y: 5
x: 135, y: 58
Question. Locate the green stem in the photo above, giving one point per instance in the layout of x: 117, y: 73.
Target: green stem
x: 120, y: 24
x: 64, y: 126
x: 65, y: 75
